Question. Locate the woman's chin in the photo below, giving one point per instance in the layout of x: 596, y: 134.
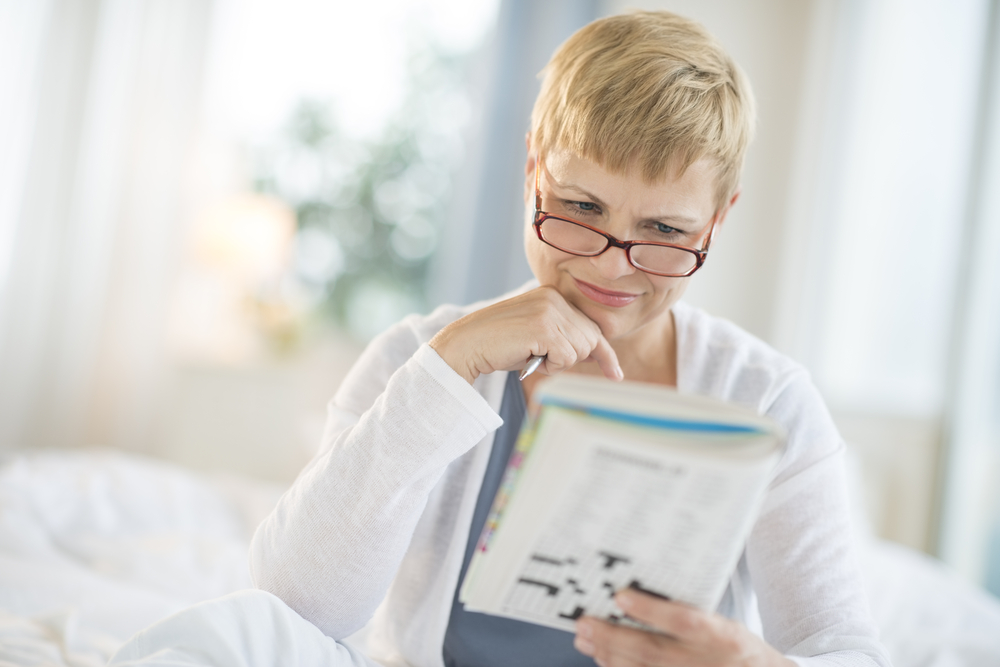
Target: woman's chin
x: 614, y: 321
x: 622, y: 322
x: 613, y: 324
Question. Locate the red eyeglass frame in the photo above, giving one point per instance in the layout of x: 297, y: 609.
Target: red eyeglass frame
x: 541, y: 216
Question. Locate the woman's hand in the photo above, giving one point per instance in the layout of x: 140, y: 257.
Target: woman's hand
x: 503, y: 336
x: 691, y: 638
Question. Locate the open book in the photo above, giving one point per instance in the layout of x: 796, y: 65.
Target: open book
x: 620, y: 484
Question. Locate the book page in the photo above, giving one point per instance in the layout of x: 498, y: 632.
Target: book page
x: 629, y: 514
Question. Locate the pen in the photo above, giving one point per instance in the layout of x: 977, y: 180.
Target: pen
x: 533, y: 364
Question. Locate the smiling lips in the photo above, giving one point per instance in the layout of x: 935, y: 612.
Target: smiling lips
x: 605, y: 297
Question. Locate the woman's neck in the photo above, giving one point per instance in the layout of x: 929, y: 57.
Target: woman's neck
x: 646, y: 355
x: 650, y: 353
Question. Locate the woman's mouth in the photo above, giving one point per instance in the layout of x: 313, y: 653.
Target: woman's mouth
x: 603, y: 296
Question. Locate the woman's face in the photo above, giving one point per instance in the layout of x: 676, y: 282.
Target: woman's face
x: 621, y: 299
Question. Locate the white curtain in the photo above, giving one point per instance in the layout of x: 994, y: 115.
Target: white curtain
x: 101, y: 103
x: 970, y: 516
x: 891, y: 288
x: 483, y: 255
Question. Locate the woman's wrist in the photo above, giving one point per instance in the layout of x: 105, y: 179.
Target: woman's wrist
x: 446, y: 345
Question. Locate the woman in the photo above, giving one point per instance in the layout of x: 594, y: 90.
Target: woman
x: 634, y: 156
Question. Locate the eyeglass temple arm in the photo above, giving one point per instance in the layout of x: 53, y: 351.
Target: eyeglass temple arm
x: 538, y: 192
x: 711, y: 236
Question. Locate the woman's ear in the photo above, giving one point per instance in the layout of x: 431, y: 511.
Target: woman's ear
x: 720, y: 216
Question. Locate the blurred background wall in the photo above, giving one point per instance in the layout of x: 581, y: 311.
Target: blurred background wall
x: 207, y: 208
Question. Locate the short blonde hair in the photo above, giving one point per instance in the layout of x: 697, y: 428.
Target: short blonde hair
x: 650, y: 90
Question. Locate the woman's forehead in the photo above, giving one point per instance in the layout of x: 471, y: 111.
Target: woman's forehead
x: 693, y: 189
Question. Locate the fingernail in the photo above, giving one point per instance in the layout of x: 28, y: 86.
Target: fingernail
x: 619, y: 373
x: 584, y: 630
x: 583, y: 646
x: 624, y: 600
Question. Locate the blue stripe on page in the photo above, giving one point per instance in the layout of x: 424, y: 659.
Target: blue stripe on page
x: 653, y: 422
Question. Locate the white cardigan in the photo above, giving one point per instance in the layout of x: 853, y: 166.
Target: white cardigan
x: 373, y: 530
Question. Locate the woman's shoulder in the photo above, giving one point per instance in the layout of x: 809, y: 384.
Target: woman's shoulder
x: 721, y: 359
x: 715, y: 357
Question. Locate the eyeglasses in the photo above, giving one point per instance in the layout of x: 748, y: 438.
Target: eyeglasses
x: 579, y: 238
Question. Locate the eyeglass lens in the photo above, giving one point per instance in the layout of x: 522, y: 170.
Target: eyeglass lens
x: 579, y: 240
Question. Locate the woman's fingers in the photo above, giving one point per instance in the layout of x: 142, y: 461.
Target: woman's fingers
x: 588, y: 341
x: 569, y: 338
x: 686, y: 636
x: 677, y: 620
x: 615, y: 645
x: 607, y: 360
x: 504, y: 335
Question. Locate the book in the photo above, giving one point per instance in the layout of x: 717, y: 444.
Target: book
x: 615, y: 485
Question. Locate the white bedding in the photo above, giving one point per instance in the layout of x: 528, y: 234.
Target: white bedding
x: 97, y: 545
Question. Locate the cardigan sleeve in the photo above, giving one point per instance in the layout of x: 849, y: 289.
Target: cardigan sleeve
x: 333, y: 544
x: 800, y: 554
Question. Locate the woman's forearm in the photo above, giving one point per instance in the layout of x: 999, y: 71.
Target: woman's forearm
x: 336, y: 539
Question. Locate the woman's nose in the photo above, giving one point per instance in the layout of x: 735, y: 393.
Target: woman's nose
x: 613, y: 263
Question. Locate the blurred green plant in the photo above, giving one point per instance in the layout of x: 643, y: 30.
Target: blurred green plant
x: 370, y: 212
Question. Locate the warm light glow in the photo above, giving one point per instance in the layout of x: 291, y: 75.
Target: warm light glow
x: 228, y: 295
x: 248, y: 236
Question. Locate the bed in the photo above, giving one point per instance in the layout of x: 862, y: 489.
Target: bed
x: 95, y: 545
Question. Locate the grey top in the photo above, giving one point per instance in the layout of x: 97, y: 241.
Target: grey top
x: 481, y: 640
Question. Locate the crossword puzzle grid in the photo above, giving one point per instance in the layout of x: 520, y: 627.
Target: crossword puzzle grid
x: 555, y: 587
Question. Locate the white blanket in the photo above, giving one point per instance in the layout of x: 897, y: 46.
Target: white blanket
x: 95, y: 546
x: 249, y: 628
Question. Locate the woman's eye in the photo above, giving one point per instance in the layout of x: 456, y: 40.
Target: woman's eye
x: 583, y: 206
x: 666, y: 229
